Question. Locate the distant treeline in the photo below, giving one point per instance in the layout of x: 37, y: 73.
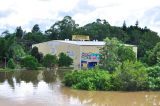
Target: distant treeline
x: 17, y: 44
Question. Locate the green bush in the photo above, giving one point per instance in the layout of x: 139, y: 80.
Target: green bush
x: 49, y: 61
x: 114, y: 53
x: 30, y: 62
x: 130, y: 76
x: 64, y: 60
x: 154, y: 77
x: 88, y: 80
x: 35, y: 53
x: 11, y: 64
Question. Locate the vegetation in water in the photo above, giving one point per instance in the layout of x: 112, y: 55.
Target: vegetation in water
x: 64, y: 60
x: 119, y: 70
x: 154, y: 77
x: 135, y: 77
x: 88, y: 80
x: 130, y: 76
x: 11, y: 64
x: 30, y: 63
x: 49, y: 61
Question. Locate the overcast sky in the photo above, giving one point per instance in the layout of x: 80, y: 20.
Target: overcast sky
x: 27, y: 13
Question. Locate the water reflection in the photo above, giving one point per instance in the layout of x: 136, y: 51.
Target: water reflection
x: 103, y: 98
x: 45, y: 88
x: 49, y: 76
x: 7, y: 76
x: 33, y: 77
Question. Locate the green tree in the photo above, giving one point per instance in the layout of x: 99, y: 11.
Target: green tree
x: 19, y: 32
x: 109, y: 54
x: 126, y: 53
x: 64, y: 60
x: 154, y: 55
x: 5, y: 33
x: 124, y: 27
x: 115, y: 53
x: 35, y: 53
x: 30, y: 63
x: 98, y: 30
x: 119, y: 34
x: 16, y: 51
x: 11, y: 64
x: 88, y: 80
x: 36, y: 28
x: 35, y: 37
x: 63, y: 29
x: 49, y: 61
x: 3, y: 46
x: 144, y: 38
x: 130, y: 76
x: 137, y: 23
x: 154, y: 77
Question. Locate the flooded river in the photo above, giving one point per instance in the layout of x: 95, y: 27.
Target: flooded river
x: 44, y: 88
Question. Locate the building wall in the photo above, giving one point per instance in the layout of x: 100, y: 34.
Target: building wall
x: 70, y: 49
x: 73, y: 50
x: 135, y: 50
x: 89, y: 54
x: 43, y: 48
x: 56, y: 47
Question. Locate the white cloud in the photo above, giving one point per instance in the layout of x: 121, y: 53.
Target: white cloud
x: 26, y: 13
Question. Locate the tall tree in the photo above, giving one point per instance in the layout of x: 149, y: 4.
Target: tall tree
x: 63, y: 29
x: 35, y: 53
x: 119, y: 34
x: 97, y: 30
x: 114, y: 53
x: 154, y: 55
x: 5, y: 33
x: 137, y: 23
x: 19, y: 32
x: 109, y: 54
x: 124, y: 27
x: 36, y: 28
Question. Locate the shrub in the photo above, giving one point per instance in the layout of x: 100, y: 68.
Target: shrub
x: 30, y: 62
x: 114, y: 53
x: 126, y: 53
x: 35, y: 53
x: 130, y: 76
x: 88, y: 80
x: 11, y: 64
x: 64, y: 60
x: 49, y: 60
x: 154, y: 77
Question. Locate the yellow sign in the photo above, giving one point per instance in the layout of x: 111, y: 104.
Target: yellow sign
x: 80, y: 37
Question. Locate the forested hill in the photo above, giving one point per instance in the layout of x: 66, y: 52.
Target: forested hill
x: 14, y: 45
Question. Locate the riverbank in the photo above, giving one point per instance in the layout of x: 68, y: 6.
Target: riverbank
x: 39, y: 68
x: 6, y: 70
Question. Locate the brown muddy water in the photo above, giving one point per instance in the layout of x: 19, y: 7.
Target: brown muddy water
x: 44, y: 88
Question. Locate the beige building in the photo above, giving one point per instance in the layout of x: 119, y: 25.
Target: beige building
x: 84, y: 53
